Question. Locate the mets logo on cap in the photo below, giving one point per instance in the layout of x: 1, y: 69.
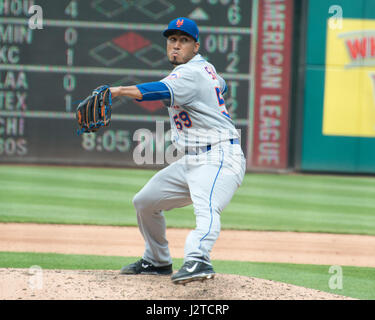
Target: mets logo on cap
x: 182, y: 24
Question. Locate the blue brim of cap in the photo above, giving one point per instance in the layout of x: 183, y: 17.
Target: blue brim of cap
x: 168, y: 32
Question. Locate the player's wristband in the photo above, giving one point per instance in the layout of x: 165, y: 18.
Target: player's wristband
x: 153, y: 91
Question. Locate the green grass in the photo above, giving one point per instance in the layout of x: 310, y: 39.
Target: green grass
x: 357, y: 282
x: 305, y: 203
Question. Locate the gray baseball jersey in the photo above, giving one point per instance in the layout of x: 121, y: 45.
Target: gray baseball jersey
x: 197, y: 109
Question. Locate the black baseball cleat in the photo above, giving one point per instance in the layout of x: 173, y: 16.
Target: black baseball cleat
x: 144, y: 267
x: 193, y: 271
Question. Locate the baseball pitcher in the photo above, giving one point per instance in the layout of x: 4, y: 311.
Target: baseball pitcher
x: 208, y: 174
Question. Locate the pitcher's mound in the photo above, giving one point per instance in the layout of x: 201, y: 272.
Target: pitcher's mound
x: 43, y: 284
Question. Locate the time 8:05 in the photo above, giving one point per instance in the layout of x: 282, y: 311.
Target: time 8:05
x: 111, y: 140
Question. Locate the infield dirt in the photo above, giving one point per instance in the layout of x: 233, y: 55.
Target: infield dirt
x: 309, y: 248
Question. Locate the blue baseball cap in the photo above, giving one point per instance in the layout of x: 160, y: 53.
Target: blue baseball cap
x: 182, y: 24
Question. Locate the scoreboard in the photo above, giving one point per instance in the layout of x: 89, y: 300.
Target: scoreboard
x: 82, y: 44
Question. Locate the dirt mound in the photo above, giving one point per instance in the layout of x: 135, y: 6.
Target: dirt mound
x: 38, y: 284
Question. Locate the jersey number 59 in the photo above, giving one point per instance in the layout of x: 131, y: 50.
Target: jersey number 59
x: 185, y: 120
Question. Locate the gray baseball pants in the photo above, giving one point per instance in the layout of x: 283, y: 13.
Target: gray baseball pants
x: 208, y: 181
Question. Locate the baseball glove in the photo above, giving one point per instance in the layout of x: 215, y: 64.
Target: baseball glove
x: 95, y: 111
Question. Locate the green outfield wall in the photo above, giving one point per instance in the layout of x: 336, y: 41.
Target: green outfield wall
x: 338, y: 131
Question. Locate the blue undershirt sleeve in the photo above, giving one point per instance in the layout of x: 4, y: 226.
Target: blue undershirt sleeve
x: 153, y: 91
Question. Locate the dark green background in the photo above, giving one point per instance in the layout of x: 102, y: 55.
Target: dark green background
x: 330, y: 153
